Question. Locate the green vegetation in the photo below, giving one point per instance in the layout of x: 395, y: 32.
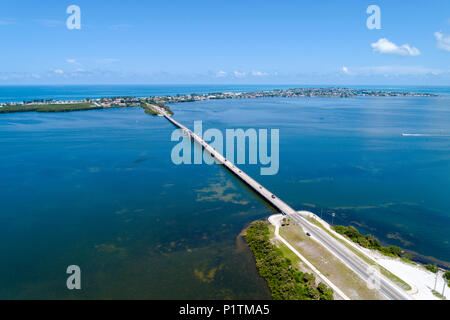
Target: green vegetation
x: 67, y: 107
x: 408, y: 258
x: 149, y: 109
x: 48, y: 107
x: 166, y: 108
x: 446, y: 276
x: 369, y: 241
x: 285, y: 282
x: 432, y: 267
x: 437, y: 294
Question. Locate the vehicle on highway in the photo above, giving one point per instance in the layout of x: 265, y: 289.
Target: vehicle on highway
x: 308, y: 234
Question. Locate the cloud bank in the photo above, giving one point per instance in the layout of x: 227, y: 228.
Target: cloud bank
x: 384, y: 46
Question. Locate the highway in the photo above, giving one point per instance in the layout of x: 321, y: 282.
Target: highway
x: 351, y: 260
x: 354, y: 262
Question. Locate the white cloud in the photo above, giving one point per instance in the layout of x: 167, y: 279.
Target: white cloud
x: 58, y: 71
x: 71, y: 61
x: 238, y: 74
x: 221, y: 74
x: 259, y: 74
x: 443, y: 41
x: 385, y: 46
x: 345, y: 69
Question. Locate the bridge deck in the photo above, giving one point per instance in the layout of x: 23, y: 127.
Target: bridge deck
x: 269, y: 196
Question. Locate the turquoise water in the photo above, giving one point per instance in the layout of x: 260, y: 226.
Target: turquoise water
x: 68, y: 92
x: 98, y: 189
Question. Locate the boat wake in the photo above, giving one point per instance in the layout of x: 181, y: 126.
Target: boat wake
x: 424, y: 135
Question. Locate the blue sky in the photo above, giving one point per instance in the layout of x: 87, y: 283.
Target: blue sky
x: 225, y: 42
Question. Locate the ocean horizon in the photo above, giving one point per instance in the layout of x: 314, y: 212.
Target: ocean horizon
x: 19, y: 93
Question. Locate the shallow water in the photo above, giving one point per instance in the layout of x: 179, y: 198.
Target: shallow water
x: 98, y: 189
x: 348, y: 156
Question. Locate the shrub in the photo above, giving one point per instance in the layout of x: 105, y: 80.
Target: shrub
x: 432, y: 267
x: 368, y: 241
x: 284, y: 281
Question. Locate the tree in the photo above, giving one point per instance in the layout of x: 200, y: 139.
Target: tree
x: 285, y: 282
x: 446, y: 276
x: 432, y: 267
x: 326, y: 293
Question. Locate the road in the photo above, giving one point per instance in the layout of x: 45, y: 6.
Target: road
x: 354, y: 262
x: 275, y: 220
x: 351, y: 260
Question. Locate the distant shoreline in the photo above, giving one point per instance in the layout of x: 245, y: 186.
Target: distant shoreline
x: 52, y: 105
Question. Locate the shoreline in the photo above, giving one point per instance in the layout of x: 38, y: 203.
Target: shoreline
x: 129, y: 101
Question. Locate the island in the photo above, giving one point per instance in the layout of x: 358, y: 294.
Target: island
x: 50, y: 105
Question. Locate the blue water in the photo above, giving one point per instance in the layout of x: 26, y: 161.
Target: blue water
x: 348, y: 156
x: 98, y: 189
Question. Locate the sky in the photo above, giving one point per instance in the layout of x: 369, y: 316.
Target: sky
x: 224, y: 42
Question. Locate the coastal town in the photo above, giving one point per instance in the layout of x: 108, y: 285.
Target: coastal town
x: 129, y: 101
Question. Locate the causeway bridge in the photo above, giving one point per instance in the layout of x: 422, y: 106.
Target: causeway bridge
x: 358, y: 265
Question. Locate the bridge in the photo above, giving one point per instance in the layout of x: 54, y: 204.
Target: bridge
x: 389, y: 289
